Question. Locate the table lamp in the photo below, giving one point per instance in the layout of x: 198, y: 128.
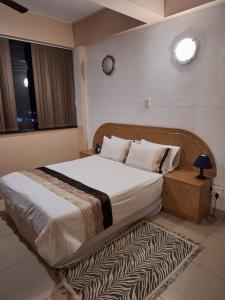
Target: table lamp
x: 202, y: 162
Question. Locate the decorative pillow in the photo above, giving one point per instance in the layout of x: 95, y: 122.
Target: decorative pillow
x: 115, y: 149
x: 174, y: 156
x: 126, y: 143
x: 152, y: 159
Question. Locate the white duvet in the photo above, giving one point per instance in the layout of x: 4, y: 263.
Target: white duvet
x: 53, y: 225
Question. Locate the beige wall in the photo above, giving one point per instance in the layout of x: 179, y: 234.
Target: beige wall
x: 35, y: 28
x: 103, y: 24
x: 177, y: 6
x: 30, y: 150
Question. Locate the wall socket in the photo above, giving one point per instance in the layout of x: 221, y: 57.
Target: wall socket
x: 217, y: 189
x: 148, y: 102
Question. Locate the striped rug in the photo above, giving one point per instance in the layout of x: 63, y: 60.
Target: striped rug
x: 137, y: 265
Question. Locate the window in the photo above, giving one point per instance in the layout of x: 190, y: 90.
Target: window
x: 36, y: 87
x: 23, y: 85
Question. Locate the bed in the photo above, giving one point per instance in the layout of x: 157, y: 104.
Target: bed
x: 54, y: 226
x: 60, y: 231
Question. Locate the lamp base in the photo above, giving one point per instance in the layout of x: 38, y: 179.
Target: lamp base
x: 201, y: 175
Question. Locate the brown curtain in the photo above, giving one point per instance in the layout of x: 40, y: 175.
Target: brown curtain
x: 54, y: 86
x: 8, y: 115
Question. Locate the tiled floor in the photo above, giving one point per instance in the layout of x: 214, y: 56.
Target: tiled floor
x: 23, y: 276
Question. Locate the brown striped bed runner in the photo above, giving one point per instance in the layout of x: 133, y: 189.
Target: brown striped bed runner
x: 95, y: 205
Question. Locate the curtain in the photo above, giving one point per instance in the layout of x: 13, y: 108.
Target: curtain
x: 2, y: 118
x: 54, y: 86
x: 8, y: 114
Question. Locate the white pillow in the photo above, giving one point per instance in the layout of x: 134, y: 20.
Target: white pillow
x: 115, y: 149
x: 148, y: 158
x: 174, y: 156
x: 117, y: 138
x: 126, y: 143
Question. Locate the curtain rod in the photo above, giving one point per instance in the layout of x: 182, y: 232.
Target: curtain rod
x: 34, y: 42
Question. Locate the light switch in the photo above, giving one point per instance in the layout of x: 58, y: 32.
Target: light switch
x: 148, y: 102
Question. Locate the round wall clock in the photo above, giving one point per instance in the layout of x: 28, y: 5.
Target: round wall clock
x: 108, y: 64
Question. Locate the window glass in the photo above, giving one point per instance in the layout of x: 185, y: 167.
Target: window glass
x: 24, y: 85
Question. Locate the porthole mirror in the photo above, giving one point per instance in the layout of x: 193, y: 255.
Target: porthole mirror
x: 108, y: 65
x: 185, y: 50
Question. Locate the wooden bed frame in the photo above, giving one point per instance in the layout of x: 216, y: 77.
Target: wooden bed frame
x: 191, y: 145
x: 183, y: 194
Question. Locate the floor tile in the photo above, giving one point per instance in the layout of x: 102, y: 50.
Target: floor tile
x: 28, y: 280
x: 2, y: 204
x: 196, y: 283
x: 212, y: 257
x: 12, y: 251
x: 219, y: 233
x: 197, y: 232
x: 167, y: 220
x: 4, y: 228
x: 58, y: 295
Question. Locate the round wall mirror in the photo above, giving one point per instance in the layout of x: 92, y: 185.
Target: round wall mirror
x: 108, y: 64
x: 185, y: 50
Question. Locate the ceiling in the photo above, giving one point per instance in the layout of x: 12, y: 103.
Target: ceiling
x: 66, y: 10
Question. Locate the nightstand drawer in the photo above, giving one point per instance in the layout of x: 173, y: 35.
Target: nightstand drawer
x: 83, y: 155
x: 86, y: 153
x: 186, y: 196
x: 182, y: 207
x: 182, y: 191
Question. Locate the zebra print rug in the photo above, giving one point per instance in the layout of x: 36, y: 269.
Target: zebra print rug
x: 137, y: 265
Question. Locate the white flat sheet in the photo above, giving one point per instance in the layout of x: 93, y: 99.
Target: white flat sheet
x: 53, y: 225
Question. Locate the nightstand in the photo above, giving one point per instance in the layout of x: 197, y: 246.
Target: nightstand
x: 186, y: 196
x: 86, y: 153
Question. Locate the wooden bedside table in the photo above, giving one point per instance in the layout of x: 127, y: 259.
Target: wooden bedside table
x: 86, y: 153
x: 186, y: 196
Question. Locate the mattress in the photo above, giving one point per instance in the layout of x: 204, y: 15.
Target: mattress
x: 53, y: 225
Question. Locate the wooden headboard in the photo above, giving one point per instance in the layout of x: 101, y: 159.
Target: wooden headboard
x: 191, y: 145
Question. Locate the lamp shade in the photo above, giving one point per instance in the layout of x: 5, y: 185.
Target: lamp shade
x: 203, y: 162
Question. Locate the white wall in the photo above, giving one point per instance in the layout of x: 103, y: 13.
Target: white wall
x: 191, y: 97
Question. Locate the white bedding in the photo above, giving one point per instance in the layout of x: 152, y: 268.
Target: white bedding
x: 53, y: 225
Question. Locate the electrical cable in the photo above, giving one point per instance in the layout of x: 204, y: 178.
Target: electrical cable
x: 212, y: 218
